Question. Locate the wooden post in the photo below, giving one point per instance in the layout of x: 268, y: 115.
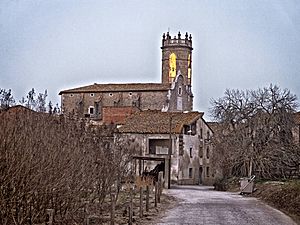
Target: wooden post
x: 155, y: 194
x: 141, y: 202
x: 159, y: 186
x: 147, y: 198
x: 130, y: 207
x: 112, y: 212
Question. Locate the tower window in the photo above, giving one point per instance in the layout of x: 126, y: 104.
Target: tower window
x: 172, y: 64
x: 92, y: 94
x: 191, y: 152
x: 110, y: 94
x: 130, y: 94
x: 71, y: 95
x: 189, y: 66
x: 180, y: 91
x: 207, y: 171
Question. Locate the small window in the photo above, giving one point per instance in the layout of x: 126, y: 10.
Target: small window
x: 191, y: 152
x: 201, y: 151
x: 130, y: 94
x: 71, y: 95
x: 92, y: 94
x: 110, y: 94
x: 207, y: 171
x: 190, y: 172
x: 207, y: 152
x: 180, y: 91
x: 91, y: 110
x: 201, y: 133
x: 208, y: 135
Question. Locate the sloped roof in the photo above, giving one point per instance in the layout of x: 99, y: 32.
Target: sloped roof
x: 119, y: 87
x: 157, y: 122
x: 17, y: 109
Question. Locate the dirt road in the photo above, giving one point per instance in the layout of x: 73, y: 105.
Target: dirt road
x: 202, y: 205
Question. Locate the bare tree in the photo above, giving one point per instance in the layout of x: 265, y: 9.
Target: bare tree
x: 255, y: 132
x: 41, y: 102
x: 6, y: 98
x: 56, y: 162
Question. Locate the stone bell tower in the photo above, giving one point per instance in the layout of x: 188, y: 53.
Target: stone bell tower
x: 177, y: 56
x: 177, y: 71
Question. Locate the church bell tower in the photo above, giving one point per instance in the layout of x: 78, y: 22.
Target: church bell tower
x: 177, y: 70
x: 177, y: 56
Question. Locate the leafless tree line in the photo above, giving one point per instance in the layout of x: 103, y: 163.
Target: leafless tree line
x: 33, y: 100
x: 58, y: 164
x: 254, y: 135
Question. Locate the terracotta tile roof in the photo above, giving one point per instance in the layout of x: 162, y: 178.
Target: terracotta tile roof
x: 17, y: 109
x: 157, y: 122
x: 119, y: 87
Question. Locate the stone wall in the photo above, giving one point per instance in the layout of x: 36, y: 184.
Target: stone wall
x: 180, y: 100
x: 79, y: 103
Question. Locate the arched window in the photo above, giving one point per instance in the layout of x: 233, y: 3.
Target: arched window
x: 172, y: 69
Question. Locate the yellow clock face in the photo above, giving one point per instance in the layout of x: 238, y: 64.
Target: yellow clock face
x: 172, y: 63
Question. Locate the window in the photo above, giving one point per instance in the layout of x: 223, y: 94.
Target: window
x: 201, y: 133
x: 189, y: 67
x: 159, y: 146
x: 110, y: 94
x: 91, y: 110
x: 191, y: 152
x: 190, y: 172
x: 201, y: 151
x: 130, y: 94
x: 180, y: 91
x: 71, y: 95
x: 92, y: 94
x: 172, y: 64
x: 207, y: 152
x: 207, y: 171
x: 190, y: 129
x: 208, y: 135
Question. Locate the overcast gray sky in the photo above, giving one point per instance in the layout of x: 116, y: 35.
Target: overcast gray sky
x: 62, y: 44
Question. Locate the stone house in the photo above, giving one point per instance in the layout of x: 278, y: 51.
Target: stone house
x: 186, y: 134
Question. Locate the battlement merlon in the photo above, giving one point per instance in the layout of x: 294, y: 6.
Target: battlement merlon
x: 177, y: 41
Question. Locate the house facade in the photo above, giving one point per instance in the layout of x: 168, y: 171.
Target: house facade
x: 188, y: 137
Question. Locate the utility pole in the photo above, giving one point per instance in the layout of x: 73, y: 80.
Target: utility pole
x: 170, y: 153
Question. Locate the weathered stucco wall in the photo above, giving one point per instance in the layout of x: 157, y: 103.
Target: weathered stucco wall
x: 193, y: 166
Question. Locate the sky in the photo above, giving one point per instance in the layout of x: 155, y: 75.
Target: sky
x: 63, y: 44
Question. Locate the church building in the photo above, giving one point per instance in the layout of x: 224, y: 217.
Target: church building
x: 173, y: 94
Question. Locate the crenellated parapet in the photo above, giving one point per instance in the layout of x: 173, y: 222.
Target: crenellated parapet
x: 177, y: 41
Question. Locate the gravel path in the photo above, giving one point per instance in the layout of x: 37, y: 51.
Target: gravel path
x: 202, y: 205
